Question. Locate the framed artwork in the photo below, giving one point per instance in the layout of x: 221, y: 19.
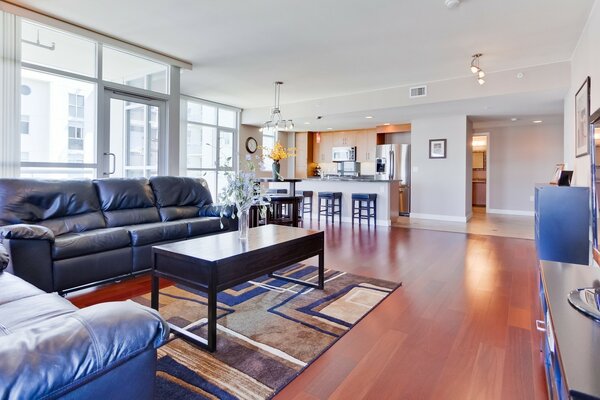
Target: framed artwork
x: 437, y: 148
x: 557, y: 173
x: 582, y: 119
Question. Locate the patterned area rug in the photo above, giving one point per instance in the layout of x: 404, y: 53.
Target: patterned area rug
x: 269, y: 330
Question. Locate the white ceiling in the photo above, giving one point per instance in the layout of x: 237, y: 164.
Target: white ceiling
x: 327, y: 48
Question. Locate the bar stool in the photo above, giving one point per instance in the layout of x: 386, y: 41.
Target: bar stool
x: 307, y: 202
x: 364, y: 202
x: 272, y: 192
x: 331, y: 200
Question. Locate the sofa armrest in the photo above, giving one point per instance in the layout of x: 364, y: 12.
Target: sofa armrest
x: 215, y: 211
x: 26, y: 231
x: 60, y: 354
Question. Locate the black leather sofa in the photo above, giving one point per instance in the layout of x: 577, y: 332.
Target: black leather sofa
x: 50, y: 349
x: 66, y: 235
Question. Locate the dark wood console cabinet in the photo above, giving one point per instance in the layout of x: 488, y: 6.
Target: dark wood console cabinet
x: 571, y: 341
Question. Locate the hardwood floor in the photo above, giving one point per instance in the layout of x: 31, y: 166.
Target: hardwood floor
x: 461, y: 327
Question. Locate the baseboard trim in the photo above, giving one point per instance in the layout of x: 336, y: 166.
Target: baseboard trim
x: 380, y: 222
x: 510, y: 212
x: 438, y: 217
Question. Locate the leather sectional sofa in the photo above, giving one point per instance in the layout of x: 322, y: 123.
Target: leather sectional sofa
x: 66, y: 235
x: 50, y: 349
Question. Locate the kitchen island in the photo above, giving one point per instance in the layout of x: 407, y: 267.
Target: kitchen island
x: 386, y: 190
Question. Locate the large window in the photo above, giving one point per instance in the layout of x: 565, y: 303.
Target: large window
x: 65, y: 79
x: 211, y: 135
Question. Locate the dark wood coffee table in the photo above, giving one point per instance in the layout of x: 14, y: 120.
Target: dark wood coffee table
x: 215, y: 263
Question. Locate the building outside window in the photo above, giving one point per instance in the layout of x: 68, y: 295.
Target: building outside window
x: 76, y: 105
x: 24, y: 125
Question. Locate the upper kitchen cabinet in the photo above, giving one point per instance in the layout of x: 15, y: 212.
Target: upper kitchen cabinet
x: 344, y: 139
x: 322, y: 145
x: 366, y: 144
x: 304, y: 154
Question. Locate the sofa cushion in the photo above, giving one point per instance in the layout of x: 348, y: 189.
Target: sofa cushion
x: 205, y: 225
x: 175, y: 213
x: 126, y: 201
x: 179, y: 197
x: 14, y: 288
x: 78, y: 244
x: 31, y: 310
x: 157, y: 232
x: 63, y: 206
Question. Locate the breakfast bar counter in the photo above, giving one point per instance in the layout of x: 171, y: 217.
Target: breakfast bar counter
x: 386, y: 190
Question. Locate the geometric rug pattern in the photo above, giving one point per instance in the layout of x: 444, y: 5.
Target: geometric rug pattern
x: 268, y: 331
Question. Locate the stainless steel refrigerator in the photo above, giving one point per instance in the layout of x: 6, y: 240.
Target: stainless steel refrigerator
x: 393, y: 163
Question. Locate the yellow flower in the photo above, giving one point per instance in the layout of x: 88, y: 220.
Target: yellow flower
x: 278, y: 152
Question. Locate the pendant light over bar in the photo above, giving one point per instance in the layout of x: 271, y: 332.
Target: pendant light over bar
x: 276, y: 122
x: 476, y: 69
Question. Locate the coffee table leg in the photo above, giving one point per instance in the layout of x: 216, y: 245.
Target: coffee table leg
x: 322, y: 270
x: 212, y: 320
x: 154, y: 295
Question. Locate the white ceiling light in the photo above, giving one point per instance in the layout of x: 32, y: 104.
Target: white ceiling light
x: 537, y: 121
x: 369, y: 117
x: 513, y: 119
x: 452, y: 3
x: 276, y: 122
x: 476, y: 69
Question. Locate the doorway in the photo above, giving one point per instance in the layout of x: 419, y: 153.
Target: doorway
x: 134, y: 143
x: 480, y: 188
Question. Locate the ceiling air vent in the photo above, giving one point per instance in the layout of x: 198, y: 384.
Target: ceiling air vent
x: 418, y: 91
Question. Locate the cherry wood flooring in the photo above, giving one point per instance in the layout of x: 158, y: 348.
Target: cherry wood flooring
x: 462, y: 326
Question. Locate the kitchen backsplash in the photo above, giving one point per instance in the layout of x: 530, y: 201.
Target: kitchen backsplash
x: 366, y: 168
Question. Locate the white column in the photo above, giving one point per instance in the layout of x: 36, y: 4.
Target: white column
x: 10, y: 95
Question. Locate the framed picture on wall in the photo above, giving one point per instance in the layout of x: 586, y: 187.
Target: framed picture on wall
x: 582, y: 119
x: 437, y: 148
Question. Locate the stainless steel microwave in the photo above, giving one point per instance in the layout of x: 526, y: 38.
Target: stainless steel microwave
x: 339, y: 154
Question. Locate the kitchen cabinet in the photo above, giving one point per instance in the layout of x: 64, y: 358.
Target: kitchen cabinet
x: 304, y: 154
x: 366, y: 144
x: 479, y: 188
x: 479, y: 160
x: 344, y: 139
x: 322, y: 150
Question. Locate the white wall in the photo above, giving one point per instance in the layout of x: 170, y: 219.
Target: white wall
x: 439, y: 186
x: 585, y: 62
x: 287, y: 139
x: 518, y: 158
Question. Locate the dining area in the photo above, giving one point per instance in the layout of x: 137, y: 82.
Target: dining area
x: 280, y: 206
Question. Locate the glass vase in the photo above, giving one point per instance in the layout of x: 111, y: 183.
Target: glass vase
x: 243, y: 224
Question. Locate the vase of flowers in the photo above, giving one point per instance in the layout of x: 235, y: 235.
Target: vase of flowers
x: 278, y: 153
x: 242, y: 192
